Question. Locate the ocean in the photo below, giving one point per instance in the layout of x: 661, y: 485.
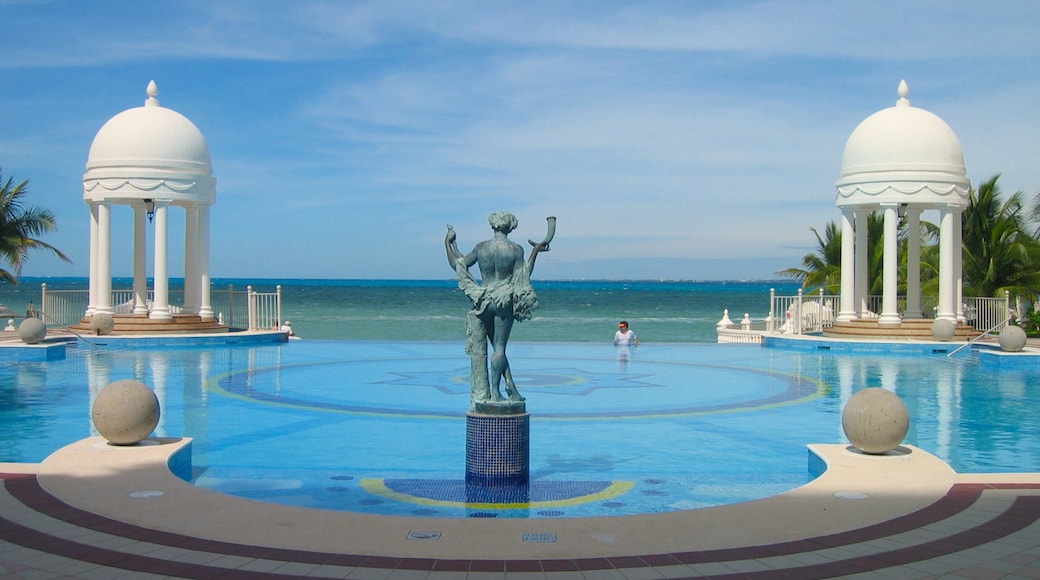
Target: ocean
x: 569, y: 311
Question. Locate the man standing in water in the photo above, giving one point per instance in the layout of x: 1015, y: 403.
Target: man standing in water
x: 504, y: 295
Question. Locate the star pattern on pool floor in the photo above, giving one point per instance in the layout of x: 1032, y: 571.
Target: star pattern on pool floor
x: 555, y: 380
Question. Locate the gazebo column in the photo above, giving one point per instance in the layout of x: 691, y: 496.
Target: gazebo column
x: 161, y: 302
x: 862, y: 273
x: 191, y: 260
x: 847, y: 308
x: 947, y: 264
x: 958, y: 262
x: 205, y: 305
x: 103, y: 300
x: 92, y: 283
x: 890, y: 275
x: 140, y: 261
x: 913, y: 264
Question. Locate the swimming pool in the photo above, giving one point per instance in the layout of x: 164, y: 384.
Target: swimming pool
x: 379, y: 427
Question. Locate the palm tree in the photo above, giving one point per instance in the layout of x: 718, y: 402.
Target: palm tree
x: 822, y: 268
x: 999, y: 252
x: 19, y: 227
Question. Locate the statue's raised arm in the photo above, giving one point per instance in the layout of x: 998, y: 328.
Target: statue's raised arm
x: 542, y: 246
x: 452, y: 248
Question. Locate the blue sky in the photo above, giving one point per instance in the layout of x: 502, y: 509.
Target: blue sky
x: 672, y: 139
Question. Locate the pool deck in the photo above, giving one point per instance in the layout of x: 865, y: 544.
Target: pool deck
x: 93, y: 510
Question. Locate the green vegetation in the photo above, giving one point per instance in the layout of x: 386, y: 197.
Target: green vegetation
x: 20, y: 227
x: 822, y: 268
x: 1000, y: 250
x: 1000, y: 253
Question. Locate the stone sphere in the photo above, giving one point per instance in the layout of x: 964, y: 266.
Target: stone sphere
x: 102, y: 323
x: 32, y: 331
x: 1012, y: 338
x: 875, y: 420
x: 125, y: 412
x: 943, y: 329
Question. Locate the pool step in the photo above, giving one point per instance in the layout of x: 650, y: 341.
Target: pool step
x: 129, y: 324
x: 916, y: 328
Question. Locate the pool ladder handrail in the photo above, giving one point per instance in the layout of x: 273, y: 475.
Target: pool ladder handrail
x: 1000, y: 324
x: 43, y: 316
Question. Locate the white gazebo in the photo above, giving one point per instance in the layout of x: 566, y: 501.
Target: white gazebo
x: 152, y: 159
x: 901, y: 161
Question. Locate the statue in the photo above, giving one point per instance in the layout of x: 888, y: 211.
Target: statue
x: 504, y: 295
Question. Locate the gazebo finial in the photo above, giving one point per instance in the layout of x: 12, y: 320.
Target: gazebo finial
x: 904, y: 91
x: 153, y: 91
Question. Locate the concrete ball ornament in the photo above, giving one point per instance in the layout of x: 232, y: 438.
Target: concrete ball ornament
x: 32, y: 331
x: 943, y: 330
x: 102, y: 324
x: 1012, y: 339
x: 125, y: 412
x: 875, y: 420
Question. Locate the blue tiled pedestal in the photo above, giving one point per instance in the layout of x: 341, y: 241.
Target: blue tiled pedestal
x: 498, y: 448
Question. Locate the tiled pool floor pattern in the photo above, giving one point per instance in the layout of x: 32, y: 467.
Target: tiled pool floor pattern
x: 983, y: 527
x: 975, y: 531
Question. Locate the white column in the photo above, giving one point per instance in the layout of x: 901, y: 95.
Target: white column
x: 958, y: 262
x: 191, y: 261
x: 161, y: 302
x: 847, y: 308
x: 103, y: 300
x: 140, y: 261
x: 890, y: 274
x: 92, y: 283
x: 862, y: 265
x: 205, y: 305
x: 913, y: 264
x: 947, y: 265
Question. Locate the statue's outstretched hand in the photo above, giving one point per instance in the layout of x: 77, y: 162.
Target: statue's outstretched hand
x: 449, y: 238
x: 550, y: 233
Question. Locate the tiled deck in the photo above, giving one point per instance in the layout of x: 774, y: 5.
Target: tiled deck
x: 96, y: 511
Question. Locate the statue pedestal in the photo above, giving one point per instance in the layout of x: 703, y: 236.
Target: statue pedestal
x: 498, y: 444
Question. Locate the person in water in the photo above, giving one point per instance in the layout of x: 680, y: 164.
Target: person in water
x: 624, y: 335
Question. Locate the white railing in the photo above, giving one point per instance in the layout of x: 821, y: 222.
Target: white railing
x: 248, y: 309
x: 813, y: 313
x: 747, y: 331
x: 737, y: 336
x: 988, y: 314
x: 237, y: 309
x: 803, y: 313
x: 63, y: 307
x: 265, y: 309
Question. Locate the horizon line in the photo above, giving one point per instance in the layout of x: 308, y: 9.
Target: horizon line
x: 446, y: 279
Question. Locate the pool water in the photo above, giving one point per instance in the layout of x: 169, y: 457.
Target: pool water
x: 379, y: 427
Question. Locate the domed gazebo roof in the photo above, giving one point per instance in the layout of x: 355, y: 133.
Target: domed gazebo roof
x: 150, y: 152
x: 903, y: 155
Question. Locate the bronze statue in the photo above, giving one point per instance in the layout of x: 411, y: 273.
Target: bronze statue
x: 504, y: 295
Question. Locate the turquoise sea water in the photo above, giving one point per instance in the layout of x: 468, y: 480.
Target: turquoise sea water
x: 569, y: 311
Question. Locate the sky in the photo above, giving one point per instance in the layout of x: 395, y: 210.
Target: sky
x: 671, y: 139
